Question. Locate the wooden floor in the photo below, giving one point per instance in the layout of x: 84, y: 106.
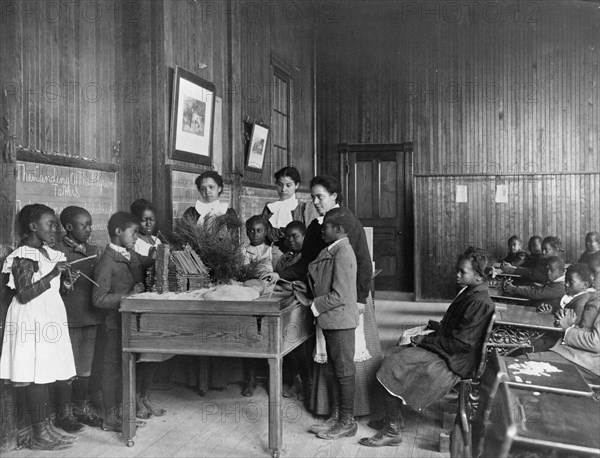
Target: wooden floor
x: 224, y: 424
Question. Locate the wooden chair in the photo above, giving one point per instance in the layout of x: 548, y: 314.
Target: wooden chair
x: 460, y: 438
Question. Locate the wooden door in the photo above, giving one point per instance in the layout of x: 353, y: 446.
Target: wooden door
x: 377, y: 183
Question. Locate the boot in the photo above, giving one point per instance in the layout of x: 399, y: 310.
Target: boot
x: 152, y: 408
x: 250, y: 383
x: 345, y: 427
x: 379, y: 424
x: 42, y: 439
x: 60, y: 434
x: 389, y: 436
x: 113, y: 420
x: 84, y: 415
x: 288, y: 391
x: 66, y: 420
x: 327, y: 424
x: 141, y: 411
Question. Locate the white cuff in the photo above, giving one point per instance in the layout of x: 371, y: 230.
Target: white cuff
x: 314, y: 309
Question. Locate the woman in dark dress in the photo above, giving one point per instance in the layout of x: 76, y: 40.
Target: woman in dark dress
x: 425, y: 372
x: 326, y: 194
x: 279, y: 214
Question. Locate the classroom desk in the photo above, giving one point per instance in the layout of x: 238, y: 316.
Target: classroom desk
x: 547, y: 423
x: 268, y: 327
x: 518, y: 326
x: 562, y: 378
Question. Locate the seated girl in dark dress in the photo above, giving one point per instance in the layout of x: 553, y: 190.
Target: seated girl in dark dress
x: 425, y: 372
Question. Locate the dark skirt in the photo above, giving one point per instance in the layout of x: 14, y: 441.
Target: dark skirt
x: 365, y: 401
x: 418, y: 376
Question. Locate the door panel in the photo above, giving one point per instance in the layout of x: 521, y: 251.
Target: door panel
x: 377, y: 186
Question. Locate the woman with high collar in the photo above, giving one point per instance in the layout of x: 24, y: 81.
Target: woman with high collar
x: 287, y: 209
x: 210, y: 187
x: 326, y: 195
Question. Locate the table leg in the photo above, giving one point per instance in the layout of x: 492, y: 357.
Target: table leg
x: 128, y: 398
x: 275, y: 427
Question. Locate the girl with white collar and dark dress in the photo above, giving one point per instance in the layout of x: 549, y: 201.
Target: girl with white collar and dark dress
x: 210, y: 187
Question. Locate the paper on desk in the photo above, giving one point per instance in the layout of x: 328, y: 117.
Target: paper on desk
x: 412, y: 332
x: 533, y: 368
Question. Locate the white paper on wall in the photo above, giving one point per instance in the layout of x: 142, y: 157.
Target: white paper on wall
x: 502, y: 194
x: 461, y: 193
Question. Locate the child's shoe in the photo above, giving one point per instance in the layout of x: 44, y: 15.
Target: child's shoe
x: 327, y: 424
x: 61, y: 434
x: 345, y: 427
x: 42, y: 439
x: 113, y: 421
x: 250, y: 383
x: 67, y: 421
x: 141, y: 411
x: 83, y: 413
x: 152, y: 408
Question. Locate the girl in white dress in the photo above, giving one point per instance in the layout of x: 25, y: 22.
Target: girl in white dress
x: 36, y: 347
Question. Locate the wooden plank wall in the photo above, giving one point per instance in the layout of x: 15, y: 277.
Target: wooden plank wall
x: 285, y: 31
x: 490, y: 88
x: 550, y: 204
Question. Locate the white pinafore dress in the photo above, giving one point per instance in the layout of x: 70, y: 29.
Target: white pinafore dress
x: 36, y: 346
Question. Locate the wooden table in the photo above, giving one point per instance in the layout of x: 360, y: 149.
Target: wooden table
x: 519, y: 326
x: 268, y: 327
x: 544, y: 422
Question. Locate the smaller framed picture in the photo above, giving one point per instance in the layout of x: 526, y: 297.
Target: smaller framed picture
x: 257, y: 147
x: 192, y: 118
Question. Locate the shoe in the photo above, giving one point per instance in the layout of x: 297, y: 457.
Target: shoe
x: 152, y: 408
x: 249, y: 383
x: 327, y: 424
x: 288, y: 391
x: 113, y: 421
x: 379, y: 424
x: 389, y: 436
x: 345, y: 427
x: 42, y: 439
x: 61, y: 434
x: 67, y: 421
x: 141, y: 411
x: 83, y: 413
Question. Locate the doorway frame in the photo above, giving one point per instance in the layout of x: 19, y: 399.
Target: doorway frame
x: 409, y: 177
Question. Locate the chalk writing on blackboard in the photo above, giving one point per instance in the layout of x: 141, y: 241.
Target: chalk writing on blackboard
x: 60, y: 186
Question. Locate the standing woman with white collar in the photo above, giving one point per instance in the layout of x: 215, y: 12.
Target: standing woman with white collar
x: 210, y: 187
x: 326, y: 195
x: 287, y: 209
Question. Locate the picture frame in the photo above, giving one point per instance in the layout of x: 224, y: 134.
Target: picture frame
x: 192, y: 118
x: 257, y: 147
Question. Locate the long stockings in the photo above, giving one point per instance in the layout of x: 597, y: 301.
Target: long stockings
x: 145, y: 377
x: 37, y: 400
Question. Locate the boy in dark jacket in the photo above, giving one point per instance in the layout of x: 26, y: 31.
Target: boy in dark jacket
x: 83, y: 317
x: 119, y: 273
x: 545, y: 298
x: 332, y: 279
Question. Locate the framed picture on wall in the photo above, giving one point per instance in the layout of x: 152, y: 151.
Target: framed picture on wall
x: 257, y: 148
x: 192, y: 118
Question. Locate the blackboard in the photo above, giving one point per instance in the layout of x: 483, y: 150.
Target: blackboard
x: 184, y: 192
x: 59, y: 186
